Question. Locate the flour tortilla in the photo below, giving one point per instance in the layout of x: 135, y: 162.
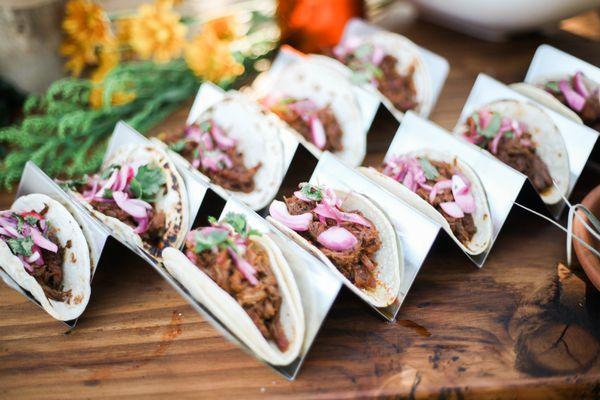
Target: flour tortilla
x: 258, y: 139
x: 390, y: 261
x: 324, y: 86
x: 543, y: 97
x: 481, y: 217
x: 232, y: 315
x: 550, y: 145
x: 173, y: 201
x: 407, y: 53
x: 77, y: 262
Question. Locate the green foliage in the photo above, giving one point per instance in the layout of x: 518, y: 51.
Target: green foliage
x: 147, y: 183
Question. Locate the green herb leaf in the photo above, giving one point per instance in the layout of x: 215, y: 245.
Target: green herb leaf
x: 430, y: 171
x: 21, y: 246
x: 31, y: 220
x: 150, y: 180
x: 212, y: 220
x: 178, y: 146
x: 552, y: 86
x: 311, y: 192
x: 210, y: 240
x: 108, y: 171
x: 136, y: 188
x: 509, y: 134
x: 205, y: 126
x: 493, y: 126
x: 20, y: 222
x: 363, y: 50
x: 107, y: 194
x: 237, y: 222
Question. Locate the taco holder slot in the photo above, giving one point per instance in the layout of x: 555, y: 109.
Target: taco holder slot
x: 34, y: 180
x: 501, y: 184
x: 579, y: 140
x: 413, y: 248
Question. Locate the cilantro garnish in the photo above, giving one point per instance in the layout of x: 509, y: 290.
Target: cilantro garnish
x: 311, y: 192
x: 178, y: 146
x: 210, y: 240
x: 430, y: 171
x: 107, y: 194
x: 146, y: 184
x: 31, y: 220
x: 552, y: 86
x: 21, y: 246
x: 108, y: 171
x: 74, y: 183
x: 363, y: 50
x: 240, y: 225
x: 205, y: 126
x: 493, y: 126
x: 20, y: 222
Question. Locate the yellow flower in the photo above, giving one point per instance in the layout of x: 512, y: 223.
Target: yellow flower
x: 118, y: 98
x: 79, y: 55
x: 86, y: 22
x: 108, y: 59
x: 157, y: 33
x: 124, y: 29
x: 224, y: 28
x: 211, y: 58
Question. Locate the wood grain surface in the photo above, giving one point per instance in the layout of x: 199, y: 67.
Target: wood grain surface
x: 521, y: 327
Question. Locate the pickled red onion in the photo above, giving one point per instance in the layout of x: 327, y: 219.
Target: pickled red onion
x: 439, y: 186
x: 137, y: 208
x: 574, y: 99
x: 244, y: 266
x: 42, y: 242
x: 579, y: 86
x: 279, y: 211
x: 317, y: 132
x: 452, y: 209
x: 337, y: 238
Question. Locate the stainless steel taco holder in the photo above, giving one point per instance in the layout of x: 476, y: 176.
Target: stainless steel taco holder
x: 436, y: 65
x: 550, y: 63
x: 414, y: 231
x: 210, y: 94
x: 579, y: 139
x: 501, y: 183
x: 368, y: 101
x: 34, y: 180
x: 318, y: 287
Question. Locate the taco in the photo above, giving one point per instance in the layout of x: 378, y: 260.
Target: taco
x: 523, y: 136
x: 445, y: 189
x: 243, y: 279
x: 140, y: 196
x: 350, y: 234
x: 391, y: 64
x: 321, y: 107
x: 44, y: 250
x: 575, y: 96
x: 237, y: 147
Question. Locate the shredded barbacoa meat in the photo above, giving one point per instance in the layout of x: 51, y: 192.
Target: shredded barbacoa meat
x: 525, y: 160
x: 591, y: 110
x: 261, y: 302
x: 50, y: 275
x: 238, y: 178
x: 463, y: 228
x: 358, y: 263
x: 333, y: 131
x: 398, y: 89
x: 156, y: 225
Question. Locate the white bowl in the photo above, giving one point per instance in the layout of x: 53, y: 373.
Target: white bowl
x: 496, y: 20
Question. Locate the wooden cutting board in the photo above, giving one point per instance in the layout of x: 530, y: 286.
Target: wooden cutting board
x: 520, y: 327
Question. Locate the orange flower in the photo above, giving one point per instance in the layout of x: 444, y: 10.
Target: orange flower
x: 210, y: 58
x: 224, y: 28
x: 78, y: 54
x: 118, y: 98
x: 86, y: 22
x: 108, y: 58
x: 157, y: 32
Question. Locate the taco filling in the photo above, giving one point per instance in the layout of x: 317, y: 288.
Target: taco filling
x: 32, y: 239
x: 441, y: 185
x: 208, y: 148
x: 578, y: 94
x: 129, y: 193
x: 371, y: 64
x: 509, y: 140
x: 316, y: 124
x: 347, y: 238
x: 240, y: 266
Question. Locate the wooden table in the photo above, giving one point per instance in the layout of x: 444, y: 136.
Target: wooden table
x: 512, y: 329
